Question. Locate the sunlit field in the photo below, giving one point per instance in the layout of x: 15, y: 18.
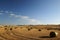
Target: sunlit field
x: 29, y: 32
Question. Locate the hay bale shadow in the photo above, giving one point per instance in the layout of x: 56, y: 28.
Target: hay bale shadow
x: 5, y: 28
x: 52, y: 35
x: 44, y: 37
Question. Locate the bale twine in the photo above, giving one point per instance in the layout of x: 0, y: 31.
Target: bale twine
x: 53, y: 34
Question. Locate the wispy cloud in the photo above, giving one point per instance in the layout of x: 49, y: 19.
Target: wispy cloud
x: 1, y: 13
x: 26, y: 18
x: 12, y: 15
x: 6, y: 11
x: 19, y: 16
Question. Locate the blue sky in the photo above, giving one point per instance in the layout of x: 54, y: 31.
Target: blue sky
x: 29, y: 11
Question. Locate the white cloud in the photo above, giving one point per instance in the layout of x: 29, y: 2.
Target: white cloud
x: 19, y: 16
x: 26, y: 18
x: 12, y: 14
x: 32, y: 20
x: 1, y: 13
x: 6, y: 11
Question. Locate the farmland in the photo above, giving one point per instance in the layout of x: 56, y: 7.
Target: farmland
x: 28, y: 32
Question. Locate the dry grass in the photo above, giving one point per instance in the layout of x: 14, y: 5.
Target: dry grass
x: 35, y: 32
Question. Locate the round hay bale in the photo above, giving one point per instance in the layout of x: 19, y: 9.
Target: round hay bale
x: 53, y: 34
x: 28, y: 29
x: 5, y: 28
x: 10, y: 28
x: 39, y: 29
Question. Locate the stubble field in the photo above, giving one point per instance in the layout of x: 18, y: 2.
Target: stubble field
x: 29, y: 32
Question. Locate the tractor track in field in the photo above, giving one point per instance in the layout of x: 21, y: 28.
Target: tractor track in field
x: 7, y: 36
x: 12, y: 35
x: 2, y: 38
x: 32, y: 38
x: 17, y: 36
x: 24, y: 36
